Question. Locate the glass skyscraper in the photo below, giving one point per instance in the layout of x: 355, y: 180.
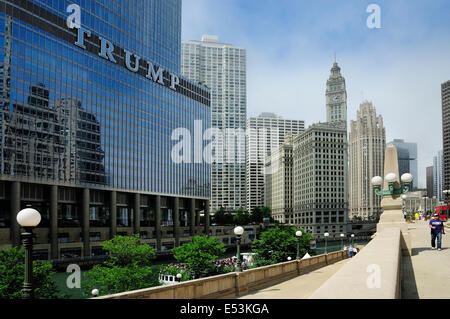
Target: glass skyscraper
x: 407, y: 160
x: 87, y: 119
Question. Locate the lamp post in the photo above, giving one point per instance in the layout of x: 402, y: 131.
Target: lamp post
x: 28, y: 218
x: 342, y: 241
x: 94, y: 292
x: 326, y: 238
x: 178, y: 277
x: 238, y: 231
x: 353, y: 237
x: 299, y: 235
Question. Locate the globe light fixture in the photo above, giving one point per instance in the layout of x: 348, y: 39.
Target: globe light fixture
x: 179, y: 277
x: 407, y: 178
x: 326, y: 238
x: 289, y: 258
x: 94, y: 292
x: 238, y: 231
x: 28, y: 218
x: 377, y: 181
x: 342, y: 241
x: 391, y: 178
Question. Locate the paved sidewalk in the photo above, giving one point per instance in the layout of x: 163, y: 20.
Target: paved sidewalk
x: 300, y: 287
x: 426, y: 274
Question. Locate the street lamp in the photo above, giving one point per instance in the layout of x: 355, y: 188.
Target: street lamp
x: 179, y: 277
x: 342, y: 241
x: 238, y: 231
x: 298, y: 234
x: 353, y: 237
x: 326, y: 238
x: 28, y: 218
x: 289, y: 258
x: 94, y: 292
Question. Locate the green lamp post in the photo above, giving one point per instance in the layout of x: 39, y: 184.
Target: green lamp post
x: 28, y: 218
x: 299, y: 235
x: 238, y: 231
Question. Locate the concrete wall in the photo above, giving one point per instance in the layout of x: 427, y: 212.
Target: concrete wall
x: 234, y: 284
x: 374, y: 273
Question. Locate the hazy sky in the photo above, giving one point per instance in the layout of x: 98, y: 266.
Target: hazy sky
x: 290, y: 50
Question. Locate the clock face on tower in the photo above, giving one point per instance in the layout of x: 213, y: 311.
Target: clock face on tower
x: 336, y: 98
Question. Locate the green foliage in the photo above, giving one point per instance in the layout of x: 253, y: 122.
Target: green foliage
x: 126, y: 250
x: 129, y: 268
x: 200, y: 255
x: 277, y: 244
x: 259, y: 213
x: 242, y: 217
x: 173, y: 271
x: 12, y: 271
x: 223, y: 218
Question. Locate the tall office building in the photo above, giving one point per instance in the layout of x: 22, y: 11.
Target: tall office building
x: 445, y: 93
x: 336, y: 96
x: 438, y: 176
x: 407, y: 160
x: 88, y: 113
x: 279, y: 184
x: 366, y: 160
x: 222, y: 68
x: 430, y: 182
x: 320, y: 156
x: 264, y: 134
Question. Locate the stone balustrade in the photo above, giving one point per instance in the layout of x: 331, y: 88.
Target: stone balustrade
x: 374, y: 273
x: 233, y: 284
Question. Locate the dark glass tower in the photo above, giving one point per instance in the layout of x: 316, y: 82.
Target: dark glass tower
x: 87, y: 119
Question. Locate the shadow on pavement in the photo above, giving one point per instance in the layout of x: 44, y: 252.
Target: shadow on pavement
x: 418, y: 250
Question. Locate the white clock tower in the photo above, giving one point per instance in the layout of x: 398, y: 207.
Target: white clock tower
x: 336, y: 96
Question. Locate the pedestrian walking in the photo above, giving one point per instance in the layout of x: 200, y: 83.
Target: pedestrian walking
x: 437, y: 230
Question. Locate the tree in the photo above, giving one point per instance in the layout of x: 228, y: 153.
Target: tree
x: 242, y: 217
x: 259, y: 213
x: 221, y: 217
x: 200, y: 255
x: 129, y: 267
x: 277, y: 244
x: 12, y: 271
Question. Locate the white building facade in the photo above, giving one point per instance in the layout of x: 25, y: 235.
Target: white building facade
x: 438, y: 176
x: 366, y: 160
x: 222, y: 68
x: 320, y: 179
x: 265, y: 133
x: 279, y: 184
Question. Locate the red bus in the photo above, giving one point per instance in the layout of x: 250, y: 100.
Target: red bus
x: 443, y: 212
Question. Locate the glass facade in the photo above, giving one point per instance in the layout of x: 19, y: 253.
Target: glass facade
x: 73, y: 117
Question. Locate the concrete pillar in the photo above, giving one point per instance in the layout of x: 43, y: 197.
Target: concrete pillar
x: 192, y: 217
x: 15, y: 208
x: 137, y: 213
x: 113, y: 213
x: 53, y: 222
x: 176, y: 220
x: 207, y: 219
x: 391, y: 205
x: 85, y: 227
x: 158, y: 222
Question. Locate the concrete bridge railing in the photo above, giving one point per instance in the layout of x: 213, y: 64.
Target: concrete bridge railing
x: 374, y: 273
x: 233, y: 284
